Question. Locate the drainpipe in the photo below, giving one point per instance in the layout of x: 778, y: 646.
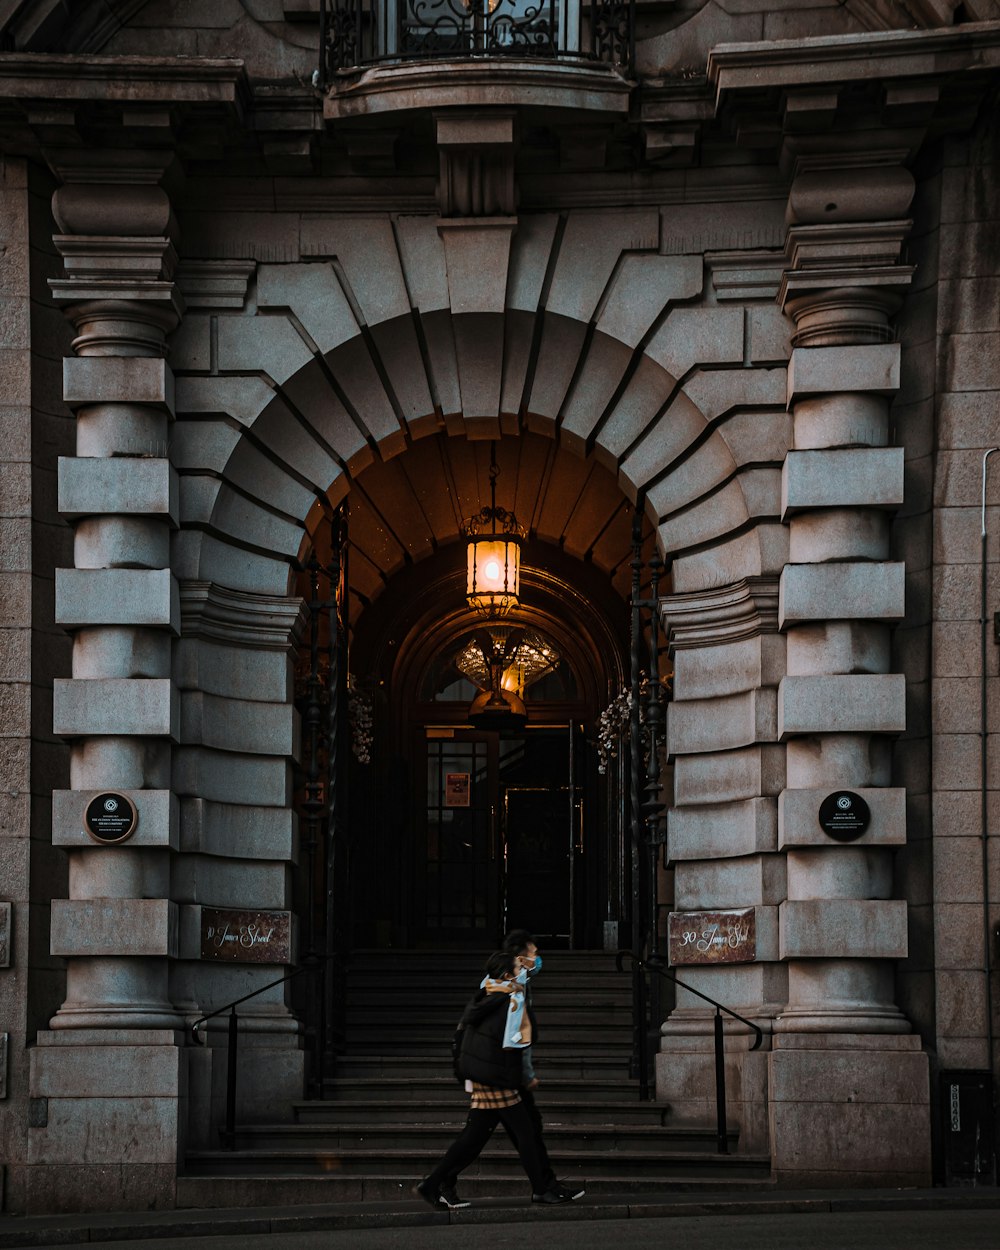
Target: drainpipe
x: 982, y: 777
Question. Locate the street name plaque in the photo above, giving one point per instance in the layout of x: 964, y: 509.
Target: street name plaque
x: 712, y: 937
x: 844, y: 815
x: 246, y: 937
x: 111, y: 817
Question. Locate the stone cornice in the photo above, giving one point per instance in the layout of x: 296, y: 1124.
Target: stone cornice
x: 911, y: 54
x: 706, y: 618
x: 262, y: 622
x: 38, y: 76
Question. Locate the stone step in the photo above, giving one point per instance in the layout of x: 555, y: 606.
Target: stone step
x: 556, y: 1090
x: 433, y: 1138
x: 557, y: 998
x: 403, y: 1035
x: 452, y: 1110
x: 436, y: 1061
x: 251, y: 1189
x: 496, y: 1161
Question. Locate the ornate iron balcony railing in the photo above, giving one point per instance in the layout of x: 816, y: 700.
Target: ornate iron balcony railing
x: 355, y: 33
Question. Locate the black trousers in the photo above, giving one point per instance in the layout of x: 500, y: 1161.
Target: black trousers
x: 468, y: 1145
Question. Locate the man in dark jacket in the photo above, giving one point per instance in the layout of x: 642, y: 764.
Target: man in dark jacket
x: 493, y: 1076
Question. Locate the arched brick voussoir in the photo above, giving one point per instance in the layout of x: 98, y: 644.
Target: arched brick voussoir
x: 648, y: 389
x: 658, y: 443
x: 301, y: 447
x: 355, y: 373
x: 642, y: 290
x: 479, y: 343
x: 753, y: 493
x: 757, y: 434
x: 252, y: 525
x: 262, y: 477
x: 758, y: 552
x: 592, y: 391
x: 711, y: 394
x: 562, y: 342
x: 707, y: 467
x: 313, y: 396
x: 241, y: 397
x: 261, y: 344
x: 212, y: 558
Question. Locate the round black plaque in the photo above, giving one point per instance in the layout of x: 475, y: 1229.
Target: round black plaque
x: 844, y: 815
x: 110, y: 818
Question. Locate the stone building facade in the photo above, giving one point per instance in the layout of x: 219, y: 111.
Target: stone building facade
x: 736, y: 277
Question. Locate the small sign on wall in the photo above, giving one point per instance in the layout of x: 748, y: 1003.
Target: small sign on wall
x: 246, y: 937
x: 110, y: 818
x: 457, y: 789
x: 844, y: 815
x: 712, y: 937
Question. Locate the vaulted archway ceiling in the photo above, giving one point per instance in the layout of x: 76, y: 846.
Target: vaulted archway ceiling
x: 408, y: 508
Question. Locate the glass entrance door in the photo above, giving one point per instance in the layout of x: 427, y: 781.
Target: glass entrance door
x: 502, y: 837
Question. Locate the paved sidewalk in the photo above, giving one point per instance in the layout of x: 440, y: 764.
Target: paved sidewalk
x: 256, y: 1222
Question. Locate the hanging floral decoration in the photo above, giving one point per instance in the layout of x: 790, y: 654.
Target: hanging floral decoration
x: 614, y: 722
x: 612, y: 728
x: 361, y: 714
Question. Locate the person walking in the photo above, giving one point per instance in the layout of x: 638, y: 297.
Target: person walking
x: 494, y: 1076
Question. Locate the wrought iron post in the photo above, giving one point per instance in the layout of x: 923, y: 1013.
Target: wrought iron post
x: 313, y: 804
x: 652, y: 808
x: 640, y: 1058
x: 336, y: 704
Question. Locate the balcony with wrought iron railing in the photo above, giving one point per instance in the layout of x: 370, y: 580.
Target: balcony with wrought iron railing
x: 359, y: 33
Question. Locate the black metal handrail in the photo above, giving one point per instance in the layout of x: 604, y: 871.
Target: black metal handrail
x: 229, y: 1132
x: 722, y: 1138
x: 354, y: 33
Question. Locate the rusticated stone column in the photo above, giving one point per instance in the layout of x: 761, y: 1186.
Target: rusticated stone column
x: 840, y: 930
x: 120, y: 709
x: 109, y: 1071
x: 728, y: 659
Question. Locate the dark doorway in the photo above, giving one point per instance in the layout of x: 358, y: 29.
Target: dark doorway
x: 501, y: 839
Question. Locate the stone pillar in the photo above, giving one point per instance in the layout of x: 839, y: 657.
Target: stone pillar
x: 842, y: 1057
x: 722, y: 830
x: 109, y: 1073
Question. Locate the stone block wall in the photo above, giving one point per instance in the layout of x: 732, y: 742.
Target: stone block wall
x: 34, y: 429
x: 967, y: 395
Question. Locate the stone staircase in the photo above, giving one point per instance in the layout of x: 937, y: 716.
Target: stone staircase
x: 393, y: 1106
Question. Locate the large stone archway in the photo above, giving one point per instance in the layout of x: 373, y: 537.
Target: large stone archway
x: 334, y: 341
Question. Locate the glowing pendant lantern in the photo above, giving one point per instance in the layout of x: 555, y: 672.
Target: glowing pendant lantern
x: 494, y: 539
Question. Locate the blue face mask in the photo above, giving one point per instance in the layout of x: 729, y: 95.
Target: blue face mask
x: 538, y: 963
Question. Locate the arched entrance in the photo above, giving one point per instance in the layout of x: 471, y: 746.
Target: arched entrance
x: 456, y: 829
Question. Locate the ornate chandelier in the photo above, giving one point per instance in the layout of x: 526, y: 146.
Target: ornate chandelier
x: 493, y: 539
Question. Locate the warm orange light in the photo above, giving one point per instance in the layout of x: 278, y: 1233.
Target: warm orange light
x: 494, y: 573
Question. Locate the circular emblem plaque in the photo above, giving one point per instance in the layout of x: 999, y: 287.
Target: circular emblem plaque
x: 110, y: 818
x: 844, y: 815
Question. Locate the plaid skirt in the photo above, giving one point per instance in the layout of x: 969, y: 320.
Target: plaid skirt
x: 491, y: 1098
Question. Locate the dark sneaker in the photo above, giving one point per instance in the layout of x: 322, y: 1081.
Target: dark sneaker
x: 559, y: 1193
x: 430, y: 1195
x: 450, y: 1199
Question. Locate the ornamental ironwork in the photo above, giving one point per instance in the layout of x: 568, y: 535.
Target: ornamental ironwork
x: 354, y: 33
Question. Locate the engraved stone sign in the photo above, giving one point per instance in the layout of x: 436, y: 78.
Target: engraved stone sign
x: 6, y: 911
x: 246, y: 937
x: 110, y: 818
x: 844, y: 815
x: 712, y: 937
